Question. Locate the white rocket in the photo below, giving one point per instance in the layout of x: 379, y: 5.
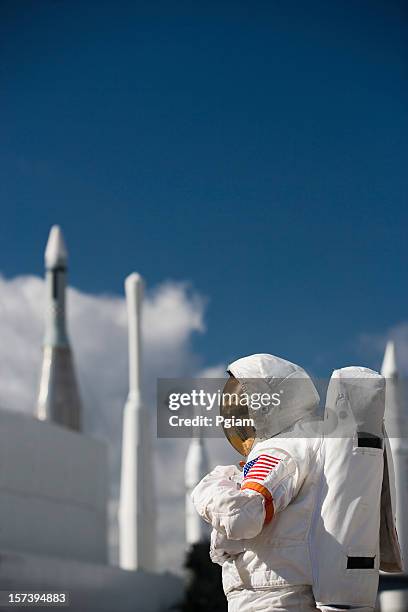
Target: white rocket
x: 196, y: 468
x: 396, y: 423
x: 137, y: 542
x: 396, y: 599
x: 58, y: 399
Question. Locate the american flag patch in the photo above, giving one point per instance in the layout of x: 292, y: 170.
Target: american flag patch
x: 259, y: 468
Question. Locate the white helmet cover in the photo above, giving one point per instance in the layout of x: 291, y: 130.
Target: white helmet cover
x: 263, y: 373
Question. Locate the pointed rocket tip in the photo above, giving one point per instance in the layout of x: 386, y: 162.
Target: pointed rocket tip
x: 134, y: 279
x: 56, y: 251
x: 389, y: 365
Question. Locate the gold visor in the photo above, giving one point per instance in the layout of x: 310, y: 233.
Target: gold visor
x: 234, y: 409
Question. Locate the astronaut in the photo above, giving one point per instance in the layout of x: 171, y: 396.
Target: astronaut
x: 264, y: 516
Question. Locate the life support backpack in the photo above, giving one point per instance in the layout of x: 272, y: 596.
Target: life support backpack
x: 354, y: 534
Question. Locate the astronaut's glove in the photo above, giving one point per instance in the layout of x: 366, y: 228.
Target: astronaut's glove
x: 222, y: 549
x: 273, y: 474
x: 223, y: 479
x: 219, y: 500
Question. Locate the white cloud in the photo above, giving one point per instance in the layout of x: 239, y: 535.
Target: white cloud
x: 173, y: 312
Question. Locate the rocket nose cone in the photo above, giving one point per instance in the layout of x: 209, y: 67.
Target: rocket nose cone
x: 389, y: 365
x: 56, y: 251
x: 134, y: 280
x: 135, y: 277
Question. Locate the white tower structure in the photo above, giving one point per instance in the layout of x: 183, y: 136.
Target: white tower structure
x: 396, y: 423
x: 58, y: 399
x: 137, y: 542
x: 196, y: 468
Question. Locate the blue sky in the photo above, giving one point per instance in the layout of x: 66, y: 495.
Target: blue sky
x: 255, y: 149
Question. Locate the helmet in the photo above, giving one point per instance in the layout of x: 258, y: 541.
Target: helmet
x: 264, y: 396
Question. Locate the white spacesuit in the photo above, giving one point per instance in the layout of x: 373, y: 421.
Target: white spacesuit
x: 268, y: 532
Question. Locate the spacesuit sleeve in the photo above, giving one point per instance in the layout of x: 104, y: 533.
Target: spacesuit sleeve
x: 218, y: 498
x: 276, y: 476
